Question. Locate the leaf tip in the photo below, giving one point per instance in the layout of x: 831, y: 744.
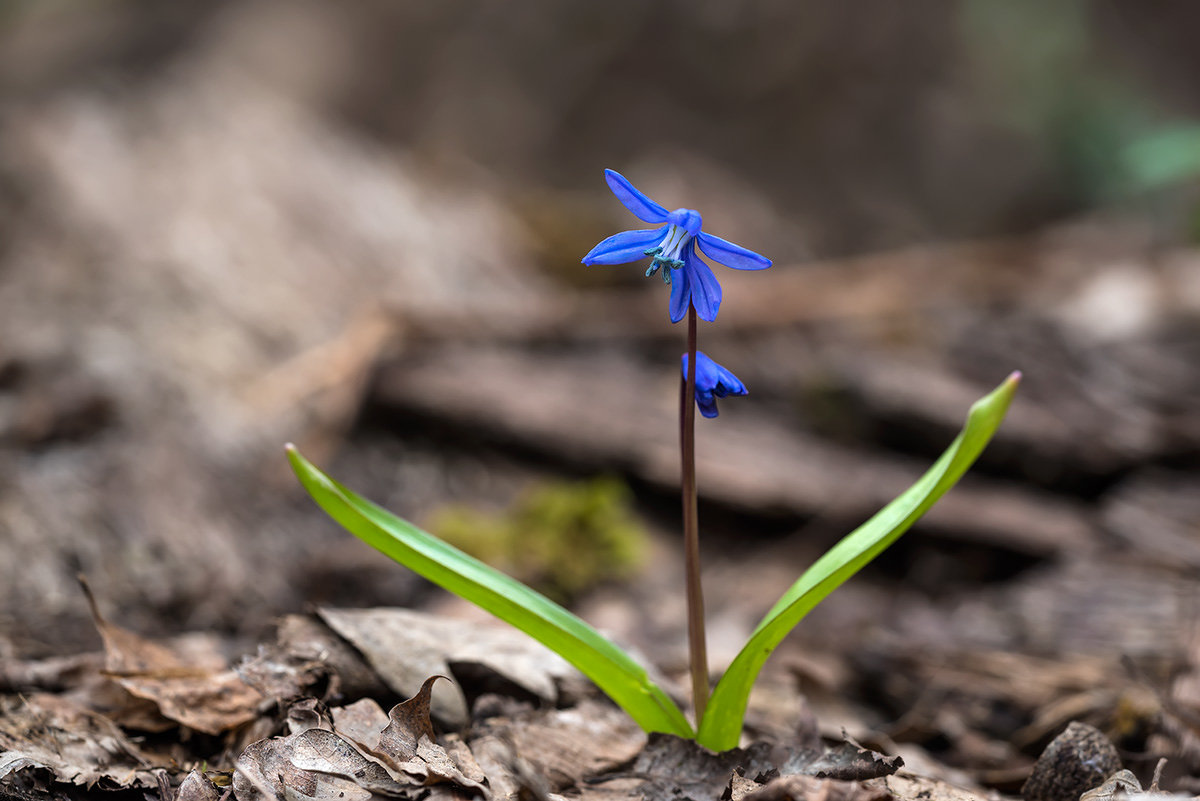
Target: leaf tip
x: 1014, y: 377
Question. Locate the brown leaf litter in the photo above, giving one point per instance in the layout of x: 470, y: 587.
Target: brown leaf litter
x: 195, y: 688
x: 312, y: 736
x: 392, y: 755
x: 404, y: 647
x: 76, y: 745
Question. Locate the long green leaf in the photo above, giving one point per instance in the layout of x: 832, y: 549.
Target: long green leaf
x: 722, y: 723
x: 613, y: 671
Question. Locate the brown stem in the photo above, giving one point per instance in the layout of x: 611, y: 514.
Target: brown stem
x: 697, y: 651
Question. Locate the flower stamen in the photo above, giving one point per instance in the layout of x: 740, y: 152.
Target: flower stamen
x: 667, y: 254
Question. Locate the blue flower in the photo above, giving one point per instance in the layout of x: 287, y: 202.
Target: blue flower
x: 712, y: 381
x: 673, y: 248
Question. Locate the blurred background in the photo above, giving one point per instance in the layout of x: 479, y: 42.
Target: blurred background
x: 230, y: 224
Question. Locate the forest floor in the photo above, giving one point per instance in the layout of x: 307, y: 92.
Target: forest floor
x: 1055, y: 584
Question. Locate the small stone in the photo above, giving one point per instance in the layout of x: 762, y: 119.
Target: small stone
x: 1075, y: 761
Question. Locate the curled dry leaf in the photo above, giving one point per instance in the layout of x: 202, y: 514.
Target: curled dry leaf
x: 407, y: 747
x: 408, y: 723
x: 194, y: 687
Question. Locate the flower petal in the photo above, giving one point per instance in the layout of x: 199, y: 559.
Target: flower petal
x: 642, y: 207
x: 704, y: 290
x: 681, y: 294
x: 727, y: 382
x: 712, y: 381
x: 625, y: 247
x: 731, y: 255
x: 706, y: 371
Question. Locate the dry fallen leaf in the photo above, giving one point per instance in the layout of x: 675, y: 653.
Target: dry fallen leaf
x: 76, y: 745
x: 407, y: 748
x: 197, y: 787
x: 809, y: 788
x: 405, y: 647
x: 408, y: 723
x: 306, y: 654
x: 194, y: 687
x: 361, y: 722
x: 564, y: 746
x: 367, y: 753
x: 850, y: 761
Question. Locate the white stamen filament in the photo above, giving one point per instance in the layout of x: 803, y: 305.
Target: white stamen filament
x: 673, y: 243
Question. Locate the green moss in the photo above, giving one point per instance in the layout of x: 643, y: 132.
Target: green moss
x: 562, y: 537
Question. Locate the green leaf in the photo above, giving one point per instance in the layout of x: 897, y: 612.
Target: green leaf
x: 722, y: 723
x: 613, y: 670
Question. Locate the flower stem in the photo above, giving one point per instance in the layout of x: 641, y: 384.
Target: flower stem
x: 697, y: 651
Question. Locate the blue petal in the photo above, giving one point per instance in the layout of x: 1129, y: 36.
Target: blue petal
x: 642, y: 207
x: 706, y: 371
x: 625, y: 247
x: 731, y: 255
x: 702, y: 284
x: 707, y: 405
x: 711, y: 380
x: 727, y: 383
x: 681, y: 294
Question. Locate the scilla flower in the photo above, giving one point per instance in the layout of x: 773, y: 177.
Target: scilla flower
x: 673, y: 249
x: 712, y: 381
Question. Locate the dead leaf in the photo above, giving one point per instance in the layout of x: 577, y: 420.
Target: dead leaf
x: 1123, y: 782
x: 306, y: 654
x: 405, y: 647
x: 908, y: 787
x: 315, y: 764
x: 265, y: 771
x: 190, y: 685
x: 76, y: 745
x: 566, y: 746
x: 55, y: 674
x: 368, y: 753
x: 809, y: 788
x: 197, y: 787
x: 408, y: 750
x: 852, y: 762
x: 510, y: 776
x: 325, y: 752
x: 739, y: 787
x: 361, y: 722
x: 308, y: 713
x: 408, y: 723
